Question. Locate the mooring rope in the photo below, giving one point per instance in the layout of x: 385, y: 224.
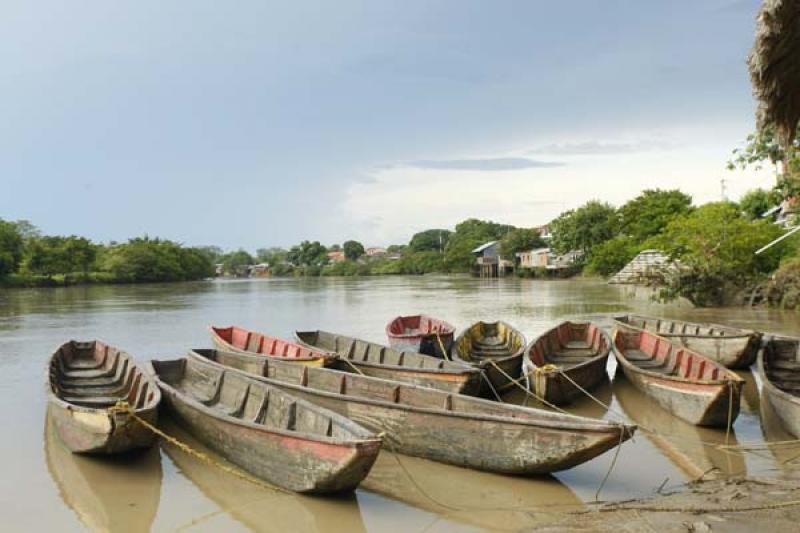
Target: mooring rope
x: 124, y: 407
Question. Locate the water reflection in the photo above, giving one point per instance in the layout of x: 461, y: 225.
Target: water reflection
x: 114, y: 493
x: 257, y: 508
x: 689, y: 447
x: 469, y: 496
x: 787, y: 456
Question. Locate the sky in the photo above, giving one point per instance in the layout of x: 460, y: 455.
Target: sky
x: 255, y: 123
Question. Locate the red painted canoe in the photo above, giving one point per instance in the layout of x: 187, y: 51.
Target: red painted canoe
x: 690, y: 386
x: 421, y: 333
x: 236, y: 339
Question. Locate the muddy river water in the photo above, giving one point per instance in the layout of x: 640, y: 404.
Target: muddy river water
x: 43, y: 486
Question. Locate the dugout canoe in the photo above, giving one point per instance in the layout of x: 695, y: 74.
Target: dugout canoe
x: 729, y: 346
x: 236, y: 339
x: 376, y: 360
x: 86, y: 382
x: 438, y: 425
x: 496, y: 348
x: 266, y: 431
x: 570, y: 353
x: 421, y: 333
x: 779, y: 366
x: 690, y: 386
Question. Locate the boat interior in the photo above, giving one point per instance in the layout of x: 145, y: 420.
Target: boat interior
x: 233, y: 395
x: 489, y: 340
x: 251, y: 341
x: 569, y: 344
x: 93, y: 374
x: 678, y: 327
x: 356, y: 386
x: 651, y: 353
x: 782, y: 364
x: 360, y: 351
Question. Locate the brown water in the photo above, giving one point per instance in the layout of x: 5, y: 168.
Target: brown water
x: 44, y: 486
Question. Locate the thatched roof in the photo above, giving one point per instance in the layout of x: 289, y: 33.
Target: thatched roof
x: 775, y: 66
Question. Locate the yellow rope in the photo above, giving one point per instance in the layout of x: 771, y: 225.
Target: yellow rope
x: 441, y: 346
x: 124, y: 407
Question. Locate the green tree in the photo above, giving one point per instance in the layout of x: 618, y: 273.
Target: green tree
x: 11, y: 248
x: 236, y: 262
x: 763, y: 147
x: 611, y: 256
x: 756, y: 202
x: 468, y: 235
x: 154, y: 260
x: 520, y: 240
x: 431, y: 240
x: 650, y: 212
x: 584, y: 228
x: 51, y: 255
x: 421, y: 262
x: 715, y: 245
x: 212, y: 253
x: 353, y: 250
x: 272, y: 256
x: 308, y: 253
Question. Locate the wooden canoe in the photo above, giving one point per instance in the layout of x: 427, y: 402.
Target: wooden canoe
x: 690, y: 386
x: 489, y: 346
x: 779, y: 366
x: 86, y: 380
x: 376, y: 360
x: 577, y: 350
x: 421, y: 333
x: 235, y: 339
x: 266, y: 431
x: 731, y: 347
x: 438, y: 425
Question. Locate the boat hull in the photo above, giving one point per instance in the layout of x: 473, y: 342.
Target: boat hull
x: 494, y: 438
x: 497, y: 349
x: 422, y: 334
x: 101, y: 432
x: 557, y: 386
x: 222, y: 344
x: 701, y: 392
x: 374, y: 360
x: 731, y: 347
x: 284, y: 461
x: 786, y: 406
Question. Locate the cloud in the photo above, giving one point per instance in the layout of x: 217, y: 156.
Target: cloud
x: 603, y: 147
x: 493, y: 163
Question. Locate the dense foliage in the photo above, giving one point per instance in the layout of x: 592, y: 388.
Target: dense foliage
x: 584, y: 228
x: 469, y: 235
x: 520, y: 240
x: 352, y: 250
x: 650, y: 212
x: 715, y: 246
x: 28, y: 258
x: 432, y: 240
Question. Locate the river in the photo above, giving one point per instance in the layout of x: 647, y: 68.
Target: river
x: 45, y: 487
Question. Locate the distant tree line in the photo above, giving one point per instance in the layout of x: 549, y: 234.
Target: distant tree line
x: 28, y: 258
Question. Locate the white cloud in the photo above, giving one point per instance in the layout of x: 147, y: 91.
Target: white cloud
x: 401, y: 200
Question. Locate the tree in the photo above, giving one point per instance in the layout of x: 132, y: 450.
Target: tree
x: 583, y: 228
x: 756, y: 202
x: 715, y: 246
x: 154, y: 260
x: 468, y: 235
x: 765, y: 146
x: 308, y: 253
x: 650, y: 212
x: 612, y: 255
x: 236, y: 262
x: 271, y: 256
x: 51, y: 255
x: 431, y: 240
x: 11, y: 248
x: 352, y: 250
x: 212, y: 253
x: 520, y: 240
